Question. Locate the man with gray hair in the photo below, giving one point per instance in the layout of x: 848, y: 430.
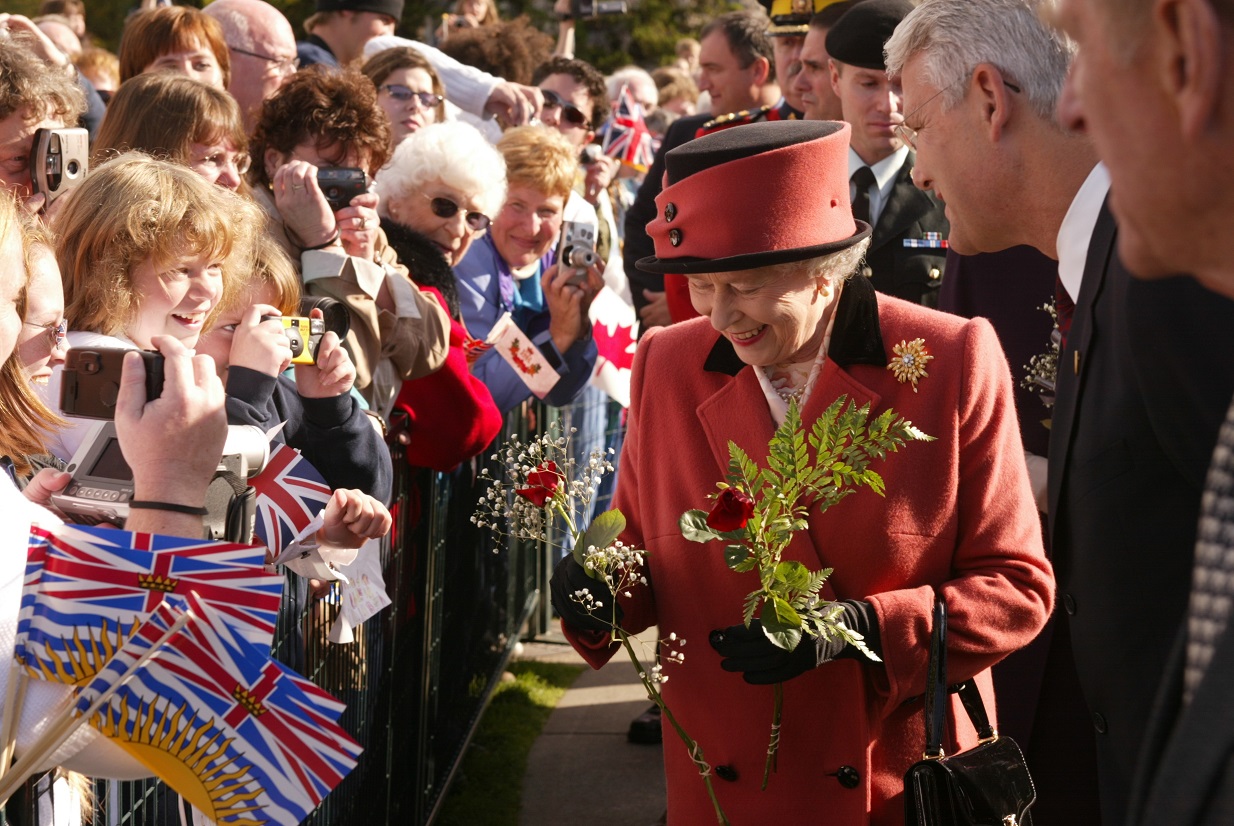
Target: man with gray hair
x: 1173, y: 192
x: 262, y: 48
x: 1139, y: 397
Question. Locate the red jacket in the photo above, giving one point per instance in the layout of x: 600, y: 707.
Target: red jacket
x: 958, y: 517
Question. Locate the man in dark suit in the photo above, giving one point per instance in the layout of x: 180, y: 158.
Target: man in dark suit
x: 907, y: 251
x: 737, y: 65
x: 1139, y: 395
x: 1174, y: 158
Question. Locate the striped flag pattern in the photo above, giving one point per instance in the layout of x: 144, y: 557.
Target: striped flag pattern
x: 628, y: 139
x: 290, y: 494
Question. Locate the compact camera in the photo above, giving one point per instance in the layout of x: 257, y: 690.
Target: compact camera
x: 102, y: 483
x: 577, y: 250
x: 304, y: 334
x: 90, y: 382
x: 59, y: 160
x: 340, y: 184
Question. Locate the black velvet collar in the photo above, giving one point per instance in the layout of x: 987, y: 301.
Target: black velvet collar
x: 855, y: 339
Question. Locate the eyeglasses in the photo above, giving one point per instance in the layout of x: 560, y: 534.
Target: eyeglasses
x: 220, y: 160
x: 909, y: 135
x: 427, y: 100
x: 445, y: 208
x: 283, y: 65
x: 56, y: 333
x: 569, y: 111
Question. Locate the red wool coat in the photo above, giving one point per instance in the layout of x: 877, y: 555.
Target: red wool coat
x: 958, y: 518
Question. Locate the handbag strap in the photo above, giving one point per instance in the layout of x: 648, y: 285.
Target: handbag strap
x: 937, y: 690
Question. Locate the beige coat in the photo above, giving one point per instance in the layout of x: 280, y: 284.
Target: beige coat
x: 387, y: 347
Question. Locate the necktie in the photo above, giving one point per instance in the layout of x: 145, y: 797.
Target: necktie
x: 1212, y: 584
x: 862, y: 180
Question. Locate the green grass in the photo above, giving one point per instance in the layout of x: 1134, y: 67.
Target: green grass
x: 489, y: 786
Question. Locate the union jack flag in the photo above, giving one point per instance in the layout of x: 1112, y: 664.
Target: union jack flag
x: 290, y: 494
x: 628, y: 138
x: 96, y: 585
x: 222, y: 709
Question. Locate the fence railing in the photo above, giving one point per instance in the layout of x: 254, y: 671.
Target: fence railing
x: 419, y: 674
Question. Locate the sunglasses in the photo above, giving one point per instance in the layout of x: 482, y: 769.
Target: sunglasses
x: 569, y: 111
x: 445, y: 208
x: 399, y: 92
x: 56, y: 333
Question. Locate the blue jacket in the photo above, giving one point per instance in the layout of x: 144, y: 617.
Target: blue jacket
x: 480, y: 275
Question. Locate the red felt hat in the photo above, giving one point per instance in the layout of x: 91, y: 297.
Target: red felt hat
x: 755, y: 195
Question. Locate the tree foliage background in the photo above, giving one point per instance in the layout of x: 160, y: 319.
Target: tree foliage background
x: 644, y: 35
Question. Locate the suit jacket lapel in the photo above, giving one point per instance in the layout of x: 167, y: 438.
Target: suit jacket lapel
x: 1069, y: 382
x: 905, y: 205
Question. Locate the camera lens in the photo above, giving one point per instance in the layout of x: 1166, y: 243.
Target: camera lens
x: 334, y: 313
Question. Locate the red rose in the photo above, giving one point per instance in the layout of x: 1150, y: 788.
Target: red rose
x: 731, y: 511
x: 541, y: 484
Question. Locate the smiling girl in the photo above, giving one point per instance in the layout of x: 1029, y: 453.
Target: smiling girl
x: 146, y: 248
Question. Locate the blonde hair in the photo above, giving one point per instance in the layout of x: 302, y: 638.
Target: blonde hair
x: 24, y: 415
x: 539, y: 158
x: 135, y: 208
x: 272, y: 267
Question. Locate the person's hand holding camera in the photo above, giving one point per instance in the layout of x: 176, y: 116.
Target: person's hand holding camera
x: 569, y: 303
x: 514, y: 103
x: 302, y: 205
x: 173, y: 443
x: 43, y: 484
x: 332, y: 375
x: 260, y: 343
x: 351, y: 518
x: 358, y: 226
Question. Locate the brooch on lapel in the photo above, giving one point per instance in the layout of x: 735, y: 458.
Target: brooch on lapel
x: 910, y: 361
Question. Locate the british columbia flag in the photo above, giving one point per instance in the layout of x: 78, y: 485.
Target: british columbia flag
x: 628, y: 139
x: 95, y: 586
x: 238, y: 735
x: 290, y: 494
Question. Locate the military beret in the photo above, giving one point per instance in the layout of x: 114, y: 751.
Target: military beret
x: 858, y: 37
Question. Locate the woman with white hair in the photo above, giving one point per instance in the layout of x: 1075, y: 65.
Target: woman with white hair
x: 444, y: 181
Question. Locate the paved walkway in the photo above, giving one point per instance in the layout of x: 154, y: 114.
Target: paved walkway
x: 582, y: 769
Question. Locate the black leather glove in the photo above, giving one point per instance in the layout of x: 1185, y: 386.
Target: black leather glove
x: 763, y: 663
x: 568, y: 579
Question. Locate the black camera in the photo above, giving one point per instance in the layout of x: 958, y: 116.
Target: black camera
x: 340, y: 184
x: 90, y: 382
x: 59, y: 160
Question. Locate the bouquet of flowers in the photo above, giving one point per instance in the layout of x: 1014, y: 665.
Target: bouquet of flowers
x: 757, y: 511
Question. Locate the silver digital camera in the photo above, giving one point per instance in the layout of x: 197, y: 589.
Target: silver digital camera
x: 577, y: 250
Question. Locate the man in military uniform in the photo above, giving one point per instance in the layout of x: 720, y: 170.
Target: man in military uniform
x: 790, y: 21
x: 812, y: 83
x: 908, y: 248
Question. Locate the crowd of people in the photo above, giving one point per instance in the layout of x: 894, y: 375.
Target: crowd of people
x: 941, y: 207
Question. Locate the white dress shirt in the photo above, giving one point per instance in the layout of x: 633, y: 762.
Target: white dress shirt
x: 885, y: 172
x: 1076, y: 231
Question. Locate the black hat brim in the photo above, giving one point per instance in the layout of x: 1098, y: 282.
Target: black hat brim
x: 751, y: 260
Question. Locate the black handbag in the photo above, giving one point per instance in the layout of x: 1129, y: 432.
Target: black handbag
x: 988, y: 785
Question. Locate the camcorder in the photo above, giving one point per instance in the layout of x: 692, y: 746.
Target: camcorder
x: 577, y: 250
x: 340, y: 184
x: 59, y: 160
x: 597, y: 8
x: 102, y: 483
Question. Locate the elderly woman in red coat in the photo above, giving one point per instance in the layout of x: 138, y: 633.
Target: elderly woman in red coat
x: 758, y: 217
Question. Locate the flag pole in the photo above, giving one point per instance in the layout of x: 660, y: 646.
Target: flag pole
x: 14, y: 776
x: 14, y: 696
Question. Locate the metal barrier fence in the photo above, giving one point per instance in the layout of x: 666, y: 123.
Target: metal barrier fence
x: 419, y: 674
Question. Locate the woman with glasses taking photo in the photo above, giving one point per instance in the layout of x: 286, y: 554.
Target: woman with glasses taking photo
x: 327, y: 121
x: 408, y: 91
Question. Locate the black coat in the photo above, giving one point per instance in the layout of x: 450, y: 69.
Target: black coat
x: 912, y: 273
x: 1143, y: 385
